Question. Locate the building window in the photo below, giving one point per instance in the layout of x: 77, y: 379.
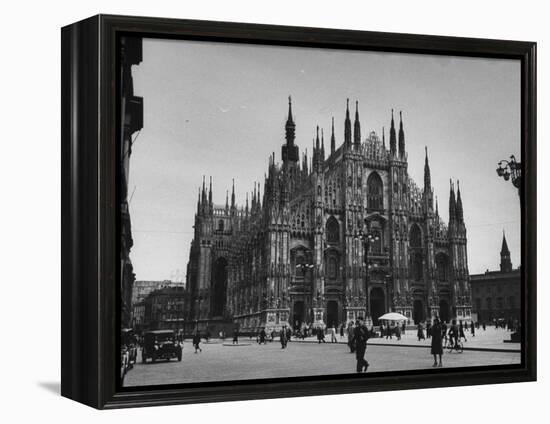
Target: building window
x: 415, y: 236
x: 441, y: 263
x: 478, y: 305
x: 417, y: 267
x: 220, y: 225
x: 511, y: 302
x: 375, y: 192
x: 489, y: 302
x: 333, y: 230
x: 500, y: 303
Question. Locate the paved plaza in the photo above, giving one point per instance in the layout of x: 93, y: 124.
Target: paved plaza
x: 220, y: 361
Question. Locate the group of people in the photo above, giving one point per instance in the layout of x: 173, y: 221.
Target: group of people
x: 457, y: 331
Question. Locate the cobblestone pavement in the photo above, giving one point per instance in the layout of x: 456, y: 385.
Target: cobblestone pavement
x: 219, y: 361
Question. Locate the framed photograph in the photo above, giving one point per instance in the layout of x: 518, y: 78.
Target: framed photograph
x: 254, y: 211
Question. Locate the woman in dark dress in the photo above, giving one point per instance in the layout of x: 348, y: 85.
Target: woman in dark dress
x: 437, y: 346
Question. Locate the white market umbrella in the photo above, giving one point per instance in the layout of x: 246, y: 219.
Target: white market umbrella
x: 393, y: 316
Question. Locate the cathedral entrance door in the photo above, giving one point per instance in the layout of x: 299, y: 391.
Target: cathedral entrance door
x: 377, y: 304
x: 219, y: 287
x: 332, y: 313
x: 298, y: 314
x: 444, y: 310
x: 418, y: 311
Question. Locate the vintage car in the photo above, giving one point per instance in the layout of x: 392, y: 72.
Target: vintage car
x: 161, y: 344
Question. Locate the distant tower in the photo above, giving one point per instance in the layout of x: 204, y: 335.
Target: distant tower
x: 505, y: 261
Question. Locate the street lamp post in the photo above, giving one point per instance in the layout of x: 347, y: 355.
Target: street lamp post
x: 366, y: 238
x: 510, y: 169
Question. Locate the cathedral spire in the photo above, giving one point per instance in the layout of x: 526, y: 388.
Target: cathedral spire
x: 233, y: 195
x: 246, y: 207
x: 317, y: 139
x: 322, y: 145
x: 383, y: 139
x: 210, y: 194
x: 401, y: 137
x: 427, y: 177
x: 357, y: 128
x: 393, y: 142
x: 436, y: 207
x: 203, y: 197
x: 505, y: 261
x: 290, y: 127
x: 452, y: 204
x: 459, y: 210
x: 254, y: 198
x: 199, y: 201
x: 332, y: 139
x: 226, y: 200
x: 347, y: 127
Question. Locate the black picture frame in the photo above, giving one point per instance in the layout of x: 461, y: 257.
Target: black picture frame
x: 90, y: 227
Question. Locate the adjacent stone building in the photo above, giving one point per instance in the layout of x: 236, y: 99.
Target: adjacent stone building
x: 131, y: 122
x: 497, y: 294
x: 164, y: 309
x: 294, y: 253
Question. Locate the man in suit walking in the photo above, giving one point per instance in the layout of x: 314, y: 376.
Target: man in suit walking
x: 360, y: 336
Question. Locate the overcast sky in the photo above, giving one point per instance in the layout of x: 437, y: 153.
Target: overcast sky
x: 219, y: 110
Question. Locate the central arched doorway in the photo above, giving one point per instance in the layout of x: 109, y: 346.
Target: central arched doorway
x: 332, y: 313
x: 298, y: 314
x: 219, y: 287
x: 377, y: 304
x: 418, y: 311
x: 444, y: 313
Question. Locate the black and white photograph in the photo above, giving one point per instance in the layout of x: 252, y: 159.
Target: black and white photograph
x: 297, y: 212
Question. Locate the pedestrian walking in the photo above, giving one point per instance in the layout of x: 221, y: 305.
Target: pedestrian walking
x: 420, y: 332
x: 288, y: 334
x: 235, y: 336
x: 342, y: 330
x: 196, y: 341
x: 403, y: 327
x: 461, y: 332
x: 429, y: 330
x: 282, y: 337
x: 472, y: 329
x: 351, y: 343
x: 320, y: 335
x: 444, y: 332
x: 398, y: 332
x: 361, y: 335
x: 437, y: 345
x: 333, y: 338
x: 388, y: 332
x: 382, y: 330
x: 263, y: 336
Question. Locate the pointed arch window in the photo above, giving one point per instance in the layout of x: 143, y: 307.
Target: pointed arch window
x: 333, y: 230
x: 375, y: 192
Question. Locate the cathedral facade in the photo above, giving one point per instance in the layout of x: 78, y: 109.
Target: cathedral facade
x: 343, y: 234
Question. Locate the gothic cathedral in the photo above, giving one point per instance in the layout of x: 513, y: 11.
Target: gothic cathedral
x: 332, y: 238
